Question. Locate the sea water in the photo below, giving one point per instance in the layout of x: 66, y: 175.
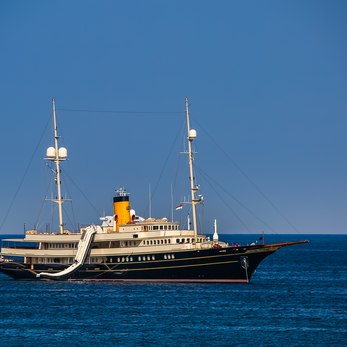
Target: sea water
x: 297, y: 297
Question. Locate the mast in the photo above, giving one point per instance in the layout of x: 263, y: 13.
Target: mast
x: 57, y: 155
x: 193, y: 188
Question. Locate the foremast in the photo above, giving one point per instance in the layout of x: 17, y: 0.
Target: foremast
x: 193, y: 188
x: 57, y: 155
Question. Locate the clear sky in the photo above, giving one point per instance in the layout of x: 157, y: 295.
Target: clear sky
x: 267, y: 83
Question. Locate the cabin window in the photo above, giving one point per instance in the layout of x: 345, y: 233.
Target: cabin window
x: 172, y: 256
x: 153, y: 257
x: 155, y: 227
x: 165, y: 241
x: 169, y: 256
x: 169, y: 241
x: 165, y: 256
x: 177, y: 240
x: 183, y: 240
x: 131, y: 259
x: 139, y: 258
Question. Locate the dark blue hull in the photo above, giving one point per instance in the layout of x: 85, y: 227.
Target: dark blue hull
x: 231, y: 264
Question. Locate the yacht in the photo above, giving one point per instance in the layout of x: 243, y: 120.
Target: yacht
x: 125, y: 247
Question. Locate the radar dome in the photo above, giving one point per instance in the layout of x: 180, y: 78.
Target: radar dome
x: 62, y: 153
x: 50, y: 153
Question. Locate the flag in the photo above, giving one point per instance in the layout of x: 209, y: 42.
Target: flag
x: 179, y: 207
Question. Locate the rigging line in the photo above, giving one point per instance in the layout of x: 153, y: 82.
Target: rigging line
x: 225, y: 202
x: 81, y: 191
x: 68, y: 217
x: 178, y: 159
x: 24, y: 175
x: 118, y: 112
x: 75, y: 226
x: 250, y: 180
x: 73, y: 221
x: 237, y: 200
x: 165, y: 163
x: 48, y: 189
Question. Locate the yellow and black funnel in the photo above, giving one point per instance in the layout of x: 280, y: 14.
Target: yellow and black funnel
x: 121, y: 207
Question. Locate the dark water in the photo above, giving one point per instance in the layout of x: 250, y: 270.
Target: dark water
x: 298, y: 297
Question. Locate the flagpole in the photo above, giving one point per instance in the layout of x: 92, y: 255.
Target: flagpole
x: 150, y: 201
x: 171, y: 204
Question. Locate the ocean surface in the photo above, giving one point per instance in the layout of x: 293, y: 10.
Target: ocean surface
x: 297, y: 297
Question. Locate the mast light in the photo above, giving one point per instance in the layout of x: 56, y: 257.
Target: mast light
x: 192, y: 134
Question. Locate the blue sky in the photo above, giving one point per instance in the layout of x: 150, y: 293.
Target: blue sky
x: 267, y: 83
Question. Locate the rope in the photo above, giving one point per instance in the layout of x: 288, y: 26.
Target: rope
x: 238, y: 201
x: 24, y: 175
x: 249, y: 179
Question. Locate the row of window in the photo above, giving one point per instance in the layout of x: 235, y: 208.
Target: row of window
x: 93, y: 260
x: 129, y: 244
x: 163, y: 227
x: 187, y: 240
x: 124, y: 244
x: 62, y: 245
x: 157, y: 242
x: 143, y: 258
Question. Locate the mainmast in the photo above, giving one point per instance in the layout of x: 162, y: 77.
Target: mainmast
x: 57, y: 155
x: 193, y: 187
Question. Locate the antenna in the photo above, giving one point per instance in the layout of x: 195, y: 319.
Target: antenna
x: 172, y: 212
x: 150, y: 201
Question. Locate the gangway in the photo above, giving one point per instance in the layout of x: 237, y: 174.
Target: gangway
x: 80, y: 258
